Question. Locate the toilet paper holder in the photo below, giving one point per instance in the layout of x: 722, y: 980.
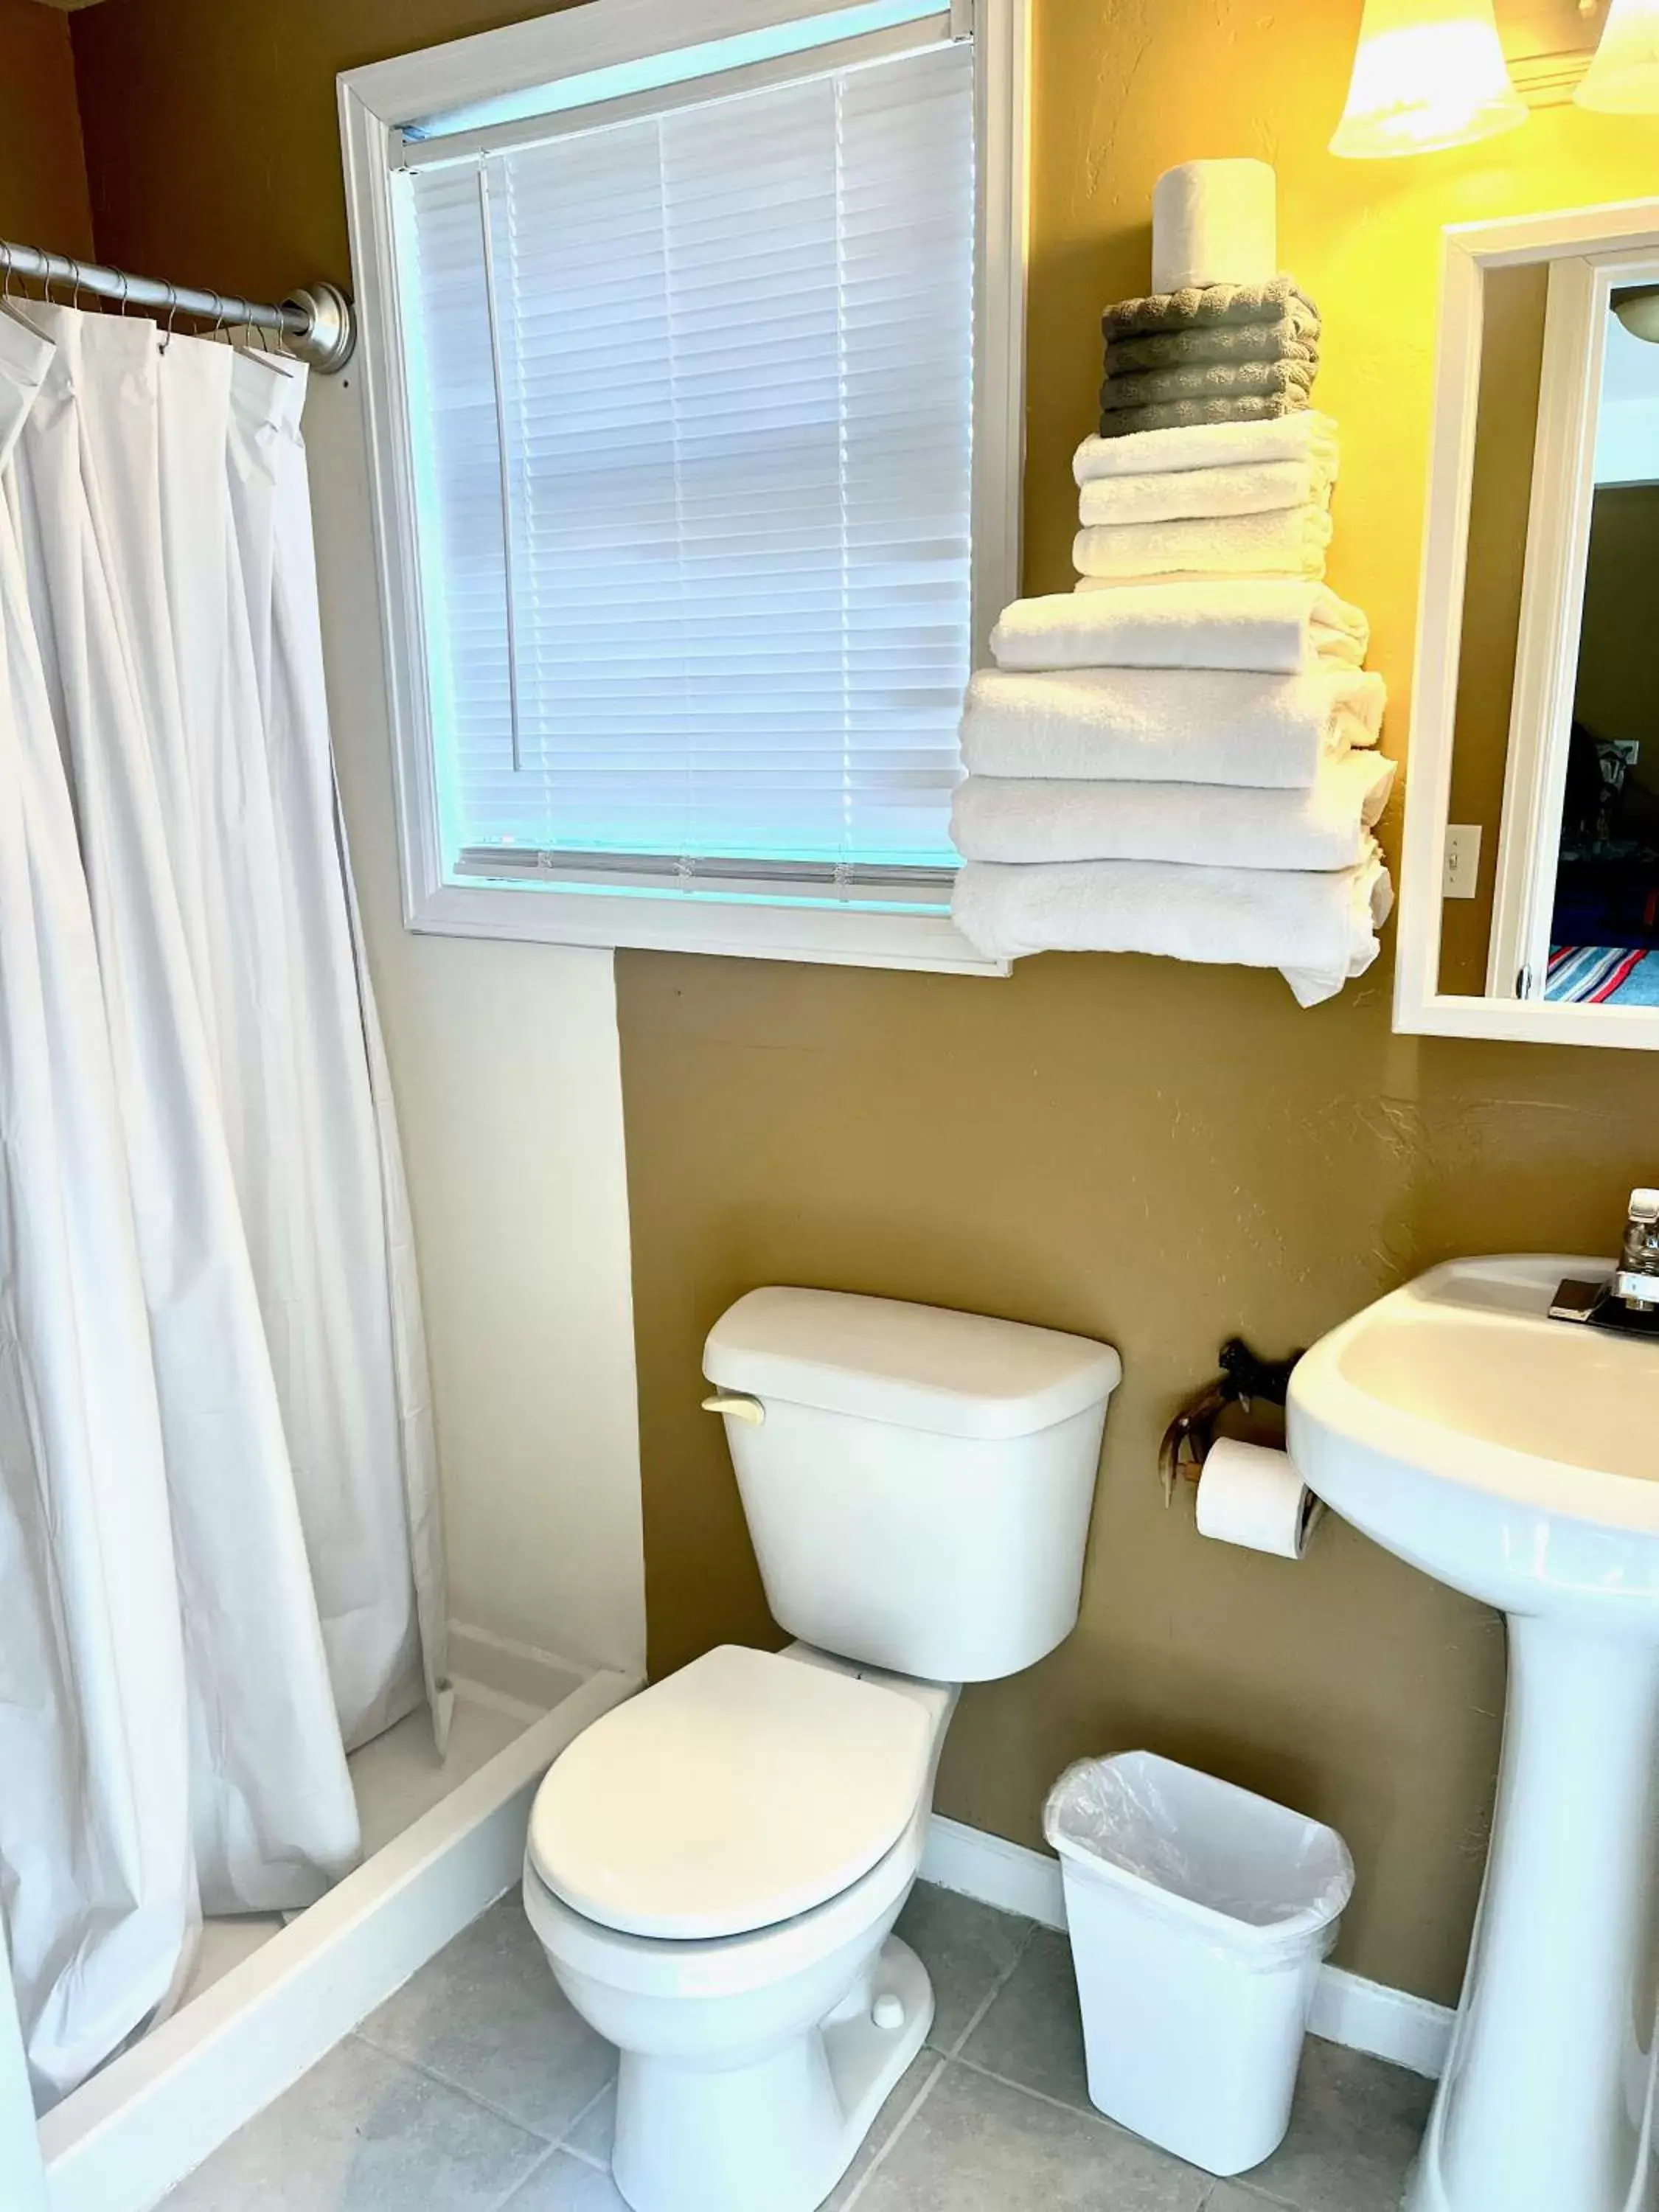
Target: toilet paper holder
x: 1245, y: 1378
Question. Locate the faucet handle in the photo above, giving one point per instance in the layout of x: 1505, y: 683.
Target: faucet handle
x: 1636, y: 1282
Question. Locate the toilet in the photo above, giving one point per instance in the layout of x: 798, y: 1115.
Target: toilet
x: 714, y: 1868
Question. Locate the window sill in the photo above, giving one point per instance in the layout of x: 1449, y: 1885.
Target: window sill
x: 836, y: 936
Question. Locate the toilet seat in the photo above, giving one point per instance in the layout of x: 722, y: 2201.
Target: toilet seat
x: 740, y: 1792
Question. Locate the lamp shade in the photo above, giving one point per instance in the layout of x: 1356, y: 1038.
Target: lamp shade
x: 1427, y: 74
x: 1624, y: 77
x: 1637, y: 306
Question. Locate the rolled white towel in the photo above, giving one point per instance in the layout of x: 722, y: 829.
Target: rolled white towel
x: 1181, y: 495
x: 1288, y: 541
x: 1191, y: 725
x: 1305, y: 436
x: 1324, y: 826
x: 1278, y: 625
x: 1319, y: 931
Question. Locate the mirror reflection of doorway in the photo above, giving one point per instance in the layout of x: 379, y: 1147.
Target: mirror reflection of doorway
x: 1604, y: 933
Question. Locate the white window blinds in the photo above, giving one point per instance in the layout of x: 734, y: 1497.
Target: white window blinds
x: 692, y: 406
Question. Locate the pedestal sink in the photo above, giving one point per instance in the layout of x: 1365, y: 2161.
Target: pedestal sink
x: 1517, y: 1459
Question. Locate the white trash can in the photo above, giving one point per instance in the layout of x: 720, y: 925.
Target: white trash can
x: 1198, y: 1915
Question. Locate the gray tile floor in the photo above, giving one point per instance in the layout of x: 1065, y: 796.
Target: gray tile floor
x: 477, y: 2089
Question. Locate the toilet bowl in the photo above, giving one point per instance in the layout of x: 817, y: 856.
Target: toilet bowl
x: 752, y: 2060
x: 714, y: 1868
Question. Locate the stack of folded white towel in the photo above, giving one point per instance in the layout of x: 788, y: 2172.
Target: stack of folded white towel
x: 1178, y: 757
x: 1217, y: 499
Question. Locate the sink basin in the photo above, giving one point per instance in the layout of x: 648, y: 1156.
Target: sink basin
x: 1516, y: 1458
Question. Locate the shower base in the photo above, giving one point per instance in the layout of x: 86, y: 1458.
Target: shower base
x: 269, y: 1996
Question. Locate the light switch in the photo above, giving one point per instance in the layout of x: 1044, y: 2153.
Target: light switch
x: 1462, y: 860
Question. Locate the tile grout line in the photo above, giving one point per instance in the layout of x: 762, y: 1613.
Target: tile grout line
x: 1110, y: 2126
x: 473, y: 2096
x: 564, y: 2143
x: 525, y: 2179
x: 1059, y: 2104
x: 905, y: 2118
x: 942, y: 2059
x: 1105, y: 2120
x: 563, y: 2148
x: 995, y: 1991
x: 1267, y: 2198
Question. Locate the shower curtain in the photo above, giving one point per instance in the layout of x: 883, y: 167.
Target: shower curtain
x: 220, y: 1557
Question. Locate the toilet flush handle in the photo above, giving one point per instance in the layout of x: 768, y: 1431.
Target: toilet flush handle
x: 738, y: 1406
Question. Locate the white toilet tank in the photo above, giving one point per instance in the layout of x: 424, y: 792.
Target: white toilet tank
x: 918, y: 1482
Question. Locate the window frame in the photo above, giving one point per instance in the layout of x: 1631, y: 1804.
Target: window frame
x: 376, y: 103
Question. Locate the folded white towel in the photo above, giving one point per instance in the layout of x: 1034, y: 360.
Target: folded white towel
x: 1180, y: 495
x: 1288, y: 541
x: 1301, y: 436
x: 1192, y: 725
x: 1277, y: 624
x: 1206, y: 825
x: 1317, y: 930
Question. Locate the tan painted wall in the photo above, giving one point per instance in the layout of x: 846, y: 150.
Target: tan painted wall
x: 1156, y: 1154
x: 43, y: 178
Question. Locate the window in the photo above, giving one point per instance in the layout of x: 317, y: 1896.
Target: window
x: 694, y: 399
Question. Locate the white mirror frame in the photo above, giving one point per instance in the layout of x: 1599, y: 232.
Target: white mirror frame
x: 1582, y: 240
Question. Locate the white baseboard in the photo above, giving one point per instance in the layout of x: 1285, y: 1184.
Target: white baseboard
x: 1392, y: 2024
x: 1008, y: 1875
x: 124, y: 2138
x: 1413, y: 2031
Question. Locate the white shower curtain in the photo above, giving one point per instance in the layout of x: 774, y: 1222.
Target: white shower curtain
x: 318, y: 876
x: 97, y: 1880
x: 282, y: 989
x: 261, y: 1165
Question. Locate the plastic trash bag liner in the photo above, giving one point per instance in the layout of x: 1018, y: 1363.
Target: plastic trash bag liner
x: 1241, y: 1869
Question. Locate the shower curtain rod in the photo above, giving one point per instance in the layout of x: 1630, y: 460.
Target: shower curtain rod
x: 317, y: 321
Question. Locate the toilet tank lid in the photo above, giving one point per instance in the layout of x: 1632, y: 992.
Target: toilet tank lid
x: 916, y: 1367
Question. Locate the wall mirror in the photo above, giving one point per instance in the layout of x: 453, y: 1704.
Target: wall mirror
x: 1530, y: 897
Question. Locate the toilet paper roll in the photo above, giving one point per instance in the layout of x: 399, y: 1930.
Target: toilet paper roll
x: 1215, y: 222
x: 1251, y: 1496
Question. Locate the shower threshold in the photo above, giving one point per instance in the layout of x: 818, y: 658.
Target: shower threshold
x: 268, y: 1997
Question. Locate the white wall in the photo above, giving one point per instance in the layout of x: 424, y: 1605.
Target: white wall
x: 505, y: 1062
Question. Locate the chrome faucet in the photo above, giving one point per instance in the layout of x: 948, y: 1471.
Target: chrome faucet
x: 1636, y: 1284
x: 1627, y: 1299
